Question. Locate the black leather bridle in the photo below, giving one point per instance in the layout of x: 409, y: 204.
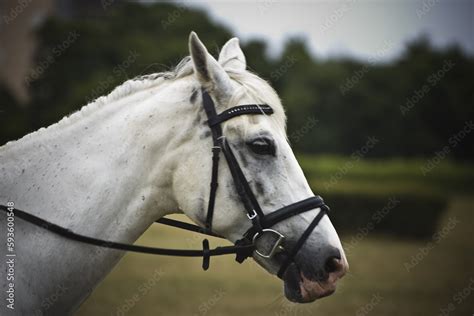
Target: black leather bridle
x: 261, y: 224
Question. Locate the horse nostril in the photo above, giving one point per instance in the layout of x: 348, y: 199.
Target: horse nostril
x: 333, y: 264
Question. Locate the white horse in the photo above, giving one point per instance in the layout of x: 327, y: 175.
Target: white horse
x: 140, y: 153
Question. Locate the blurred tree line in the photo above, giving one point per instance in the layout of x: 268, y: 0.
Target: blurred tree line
x: 413, y: 106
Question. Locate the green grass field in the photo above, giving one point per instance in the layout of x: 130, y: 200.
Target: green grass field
x: 438, y: 282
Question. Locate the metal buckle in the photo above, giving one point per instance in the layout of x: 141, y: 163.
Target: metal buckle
x: 253, y: 215
x: 277, y: 247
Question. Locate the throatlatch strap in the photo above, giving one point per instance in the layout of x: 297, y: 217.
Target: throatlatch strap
x: 240, y: 110
x: 186, y: 226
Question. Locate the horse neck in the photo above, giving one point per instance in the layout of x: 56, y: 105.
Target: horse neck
x: 107, y: 174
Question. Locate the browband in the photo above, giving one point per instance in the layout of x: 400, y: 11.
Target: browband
x: 240, y: 110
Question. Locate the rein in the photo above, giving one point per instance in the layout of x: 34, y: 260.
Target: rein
x: 69, y: 234
x: 261, y: 224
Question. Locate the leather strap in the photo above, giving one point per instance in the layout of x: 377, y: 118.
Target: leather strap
x: 240, y: 110
x: 244, y: 191
x: 288, y: 211
x: 216, y: 132
x: 300, y: 243
x: 69, y: 234
x: 186, y: 226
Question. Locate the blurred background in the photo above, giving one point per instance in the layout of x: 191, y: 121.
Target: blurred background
x: 379, y: 98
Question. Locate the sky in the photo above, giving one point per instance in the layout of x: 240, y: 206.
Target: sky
x: 364, y: 29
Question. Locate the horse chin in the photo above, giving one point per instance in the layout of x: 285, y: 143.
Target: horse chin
x: 300, y: 289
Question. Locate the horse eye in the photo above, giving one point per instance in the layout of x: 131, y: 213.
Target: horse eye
x: 262, y: 146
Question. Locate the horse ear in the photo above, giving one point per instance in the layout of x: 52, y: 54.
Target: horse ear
x: 206, y: 69
x: 232, y: 57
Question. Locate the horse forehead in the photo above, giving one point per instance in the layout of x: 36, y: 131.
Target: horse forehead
x: 243, y: 96
x: 250, y: 125
x: 241, y: 93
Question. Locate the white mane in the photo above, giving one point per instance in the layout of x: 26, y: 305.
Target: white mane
x: 253, y: 85
x: 183, y: 69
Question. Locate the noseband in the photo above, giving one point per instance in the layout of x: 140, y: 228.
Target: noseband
x: 261, y: 223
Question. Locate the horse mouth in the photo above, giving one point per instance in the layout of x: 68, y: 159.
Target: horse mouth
x: 300, y: 289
